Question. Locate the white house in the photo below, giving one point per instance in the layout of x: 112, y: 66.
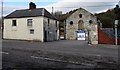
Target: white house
x: 31, y: 24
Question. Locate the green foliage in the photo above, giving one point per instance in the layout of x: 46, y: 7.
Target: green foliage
x: 108, y: 22
x: 64, y: 16
x: 108, y: 18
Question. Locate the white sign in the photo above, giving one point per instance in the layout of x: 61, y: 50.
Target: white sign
x: 61, y: 37
x: 116, y: 22
x: 81, y: 35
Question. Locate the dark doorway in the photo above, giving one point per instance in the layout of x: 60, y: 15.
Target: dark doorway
x: 45, y: 36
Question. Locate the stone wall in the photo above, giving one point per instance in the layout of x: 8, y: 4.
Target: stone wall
x: 84, y: 21
x: 93, y: 34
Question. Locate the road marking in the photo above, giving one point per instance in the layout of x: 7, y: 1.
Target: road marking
x: 47, y: 59
x: 60, y: 60
x: 98, y: 55
x: 4, y: 53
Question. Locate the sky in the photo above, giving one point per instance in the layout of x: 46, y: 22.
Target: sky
x: 93, y: 6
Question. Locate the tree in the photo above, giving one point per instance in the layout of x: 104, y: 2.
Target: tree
x: 108, y: 18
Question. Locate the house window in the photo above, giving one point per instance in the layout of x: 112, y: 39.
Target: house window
x: 31, y: 31
x: 81, y: 25
x: 71, y: 22
x: 90, y: 21
x: 14, y: 23
x: 29, y: 22
x: 56, y: 23
x: 48, y: 22
x: 80, y: 15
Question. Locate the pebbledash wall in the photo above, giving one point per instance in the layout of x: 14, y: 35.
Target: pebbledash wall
x: 22, y: 31
x: 85, y: 21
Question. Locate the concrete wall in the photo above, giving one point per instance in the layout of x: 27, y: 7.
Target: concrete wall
x: 22, y: 31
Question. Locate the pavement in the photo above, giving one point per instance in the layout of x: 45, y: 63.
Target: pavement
x: 68, y: 51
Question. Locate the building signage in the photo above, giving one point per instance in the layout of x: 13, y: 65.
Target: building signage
x: 80, y: 35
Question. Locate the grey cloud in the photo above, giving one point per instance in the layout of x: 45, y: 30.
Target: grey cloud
x: 8, y: 9
x: 93, y: 7
x: 66, y: 6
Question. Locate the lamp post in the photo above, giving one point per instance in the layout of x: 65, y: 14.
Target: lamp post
x: 116, y: 23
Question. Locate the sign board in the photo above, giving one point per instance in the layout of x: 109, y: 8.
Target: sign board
x: 116, y: 22
x: 61, y: 37
x: 80, y: 35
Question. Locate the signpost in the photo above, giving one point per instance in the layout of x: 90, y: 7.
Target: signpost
x: 116, y: 23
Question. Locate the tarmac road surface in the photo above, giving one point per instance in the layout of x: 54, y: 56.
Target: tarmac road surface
x: 57, y: 54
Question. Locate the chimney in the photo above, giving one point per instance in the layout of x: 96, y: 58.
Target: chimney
x: 32, y: 5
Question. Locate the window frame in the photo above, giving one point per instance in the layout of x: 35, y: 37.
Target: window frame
x: 80, y: 15
x: 48, y: 22
x: 56, y: 24
x: 14, y: 22
x: 32, y: 31
x: 90, y: 21
x: 29, y: 22
x: 71, y: 23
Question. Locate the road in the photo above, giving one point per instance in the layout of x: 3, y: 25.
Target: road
x: 57, y: 54
x: 19, y: 59
x: 64, y: 46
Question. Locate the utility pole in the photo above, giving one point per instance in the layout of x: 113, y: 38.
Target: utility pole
x: 116, y: 23
x: 2, y: 18
x: 52, y: 9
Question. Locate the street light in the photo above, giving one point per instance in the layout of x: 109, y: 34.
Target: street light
x: 116, y: 23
